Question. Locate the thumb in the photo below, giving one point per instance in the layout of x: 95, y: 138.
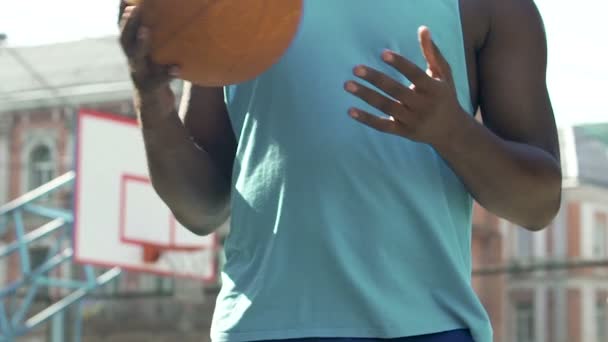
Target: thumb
x: 430, y: 52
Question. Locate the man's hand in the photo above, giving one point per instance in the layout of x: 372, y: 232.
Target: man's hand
x: 511, y: 166
x: 427, y: 111
x: 151, y: 81
x: 135, y: 41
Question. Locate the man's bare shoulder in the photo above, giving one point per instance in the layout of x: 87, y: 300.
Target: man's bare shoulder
x: 482, y: 17
x: 476, y: 20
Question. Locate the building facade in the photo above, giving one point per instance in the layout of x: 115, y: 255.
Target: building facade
x: 552, y: 286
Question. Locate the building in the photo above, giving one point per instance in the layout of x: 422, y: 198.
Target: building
x: 552, y: 286
x: 43, y: 89
x: 45, y: 86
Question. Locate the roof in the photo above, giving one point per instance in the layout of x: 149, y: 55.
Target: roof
x: 82, y: 71
x: 584, y: 151
x: 592, y: 148
x: 597, y: 132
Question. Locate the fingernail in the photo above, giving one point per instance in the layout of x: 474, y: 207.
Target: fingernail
x: 351, y: 86
x: 360, y: 71
x: 353, y: 113
x: 388, y: 56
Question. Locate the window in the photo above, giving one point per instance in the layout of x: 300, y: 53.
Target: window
x: 39, y: 254
x: 601, y: 316
x: 41, y: 167
x: 524, y: 322
x: 600, y: 236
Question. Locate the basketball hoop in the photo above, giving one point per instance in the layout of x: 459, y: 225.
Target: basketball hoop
x: 151, y: 253
x: 139, y: 228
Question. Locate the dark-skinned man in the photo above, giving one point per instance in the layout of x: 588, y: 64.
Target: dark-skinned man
x: 349, y: 169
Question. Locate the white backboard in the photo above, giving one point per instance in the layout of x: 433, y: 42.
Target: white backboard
x: 117, y: 210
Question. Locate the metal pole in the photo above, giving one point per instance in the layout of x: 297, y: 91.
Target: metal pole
x: 57, y: 327
x: 77, y: 332
x: 23, y: 248
x: 6, y: 330
x: 64, y: 317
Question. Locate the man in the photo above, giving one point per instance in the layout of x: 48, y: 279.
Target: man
x: 358, y: 226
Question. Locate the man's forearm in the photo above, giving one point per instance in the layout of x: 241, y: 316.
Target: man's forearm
x: 518, y: 182
x: 184, y: 176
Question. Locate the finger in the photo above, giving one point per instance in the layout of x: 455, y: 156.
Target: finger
x: 142, y: 47
x: 387, y: 84
x: 426, y: 45
x: 124, y: 17
x: 407, y: 68
x: 386, y: 125
x: 128, y: 37
x: 126, y: 14
x: 438, y: 65
x: 383, y: 103
x: 123, y: 5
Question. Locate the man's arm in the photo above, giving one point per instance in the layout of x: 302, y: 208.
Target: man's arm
x: 206, y: 119
x: 510, y: 166
x: 189, y: 161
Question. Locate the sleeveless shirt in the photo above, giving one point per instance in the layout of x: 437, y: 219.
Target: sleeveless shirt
x: 338, y: 230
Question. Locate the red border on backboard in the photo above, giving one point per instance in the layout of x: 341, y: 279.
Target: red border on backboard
x: 132, y: 122
x: 171, y: 221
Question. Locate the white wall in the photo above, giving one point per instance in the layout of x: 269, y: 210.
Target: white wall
x: 540, y: 313
x: 588, y: 212
x: 588, y: 314
x: 561, y: 314
x: 560, y: 232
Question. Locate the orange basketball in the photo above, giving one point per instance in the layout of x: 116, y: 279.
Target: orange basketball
x: 220, y: 42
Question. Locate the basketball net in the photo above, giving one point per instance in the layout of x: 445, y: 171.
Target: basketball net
x: 151, y: 253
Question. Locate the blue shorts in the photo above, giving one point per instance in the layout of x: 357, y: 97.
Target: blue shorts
x: 449, y: 336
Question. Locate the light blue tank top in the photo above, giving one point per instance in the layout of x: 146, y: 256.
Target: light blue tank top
x: 338, y: 230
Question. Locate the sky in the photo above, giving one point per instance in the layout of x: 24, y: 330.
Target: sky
x: 576, y: 31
